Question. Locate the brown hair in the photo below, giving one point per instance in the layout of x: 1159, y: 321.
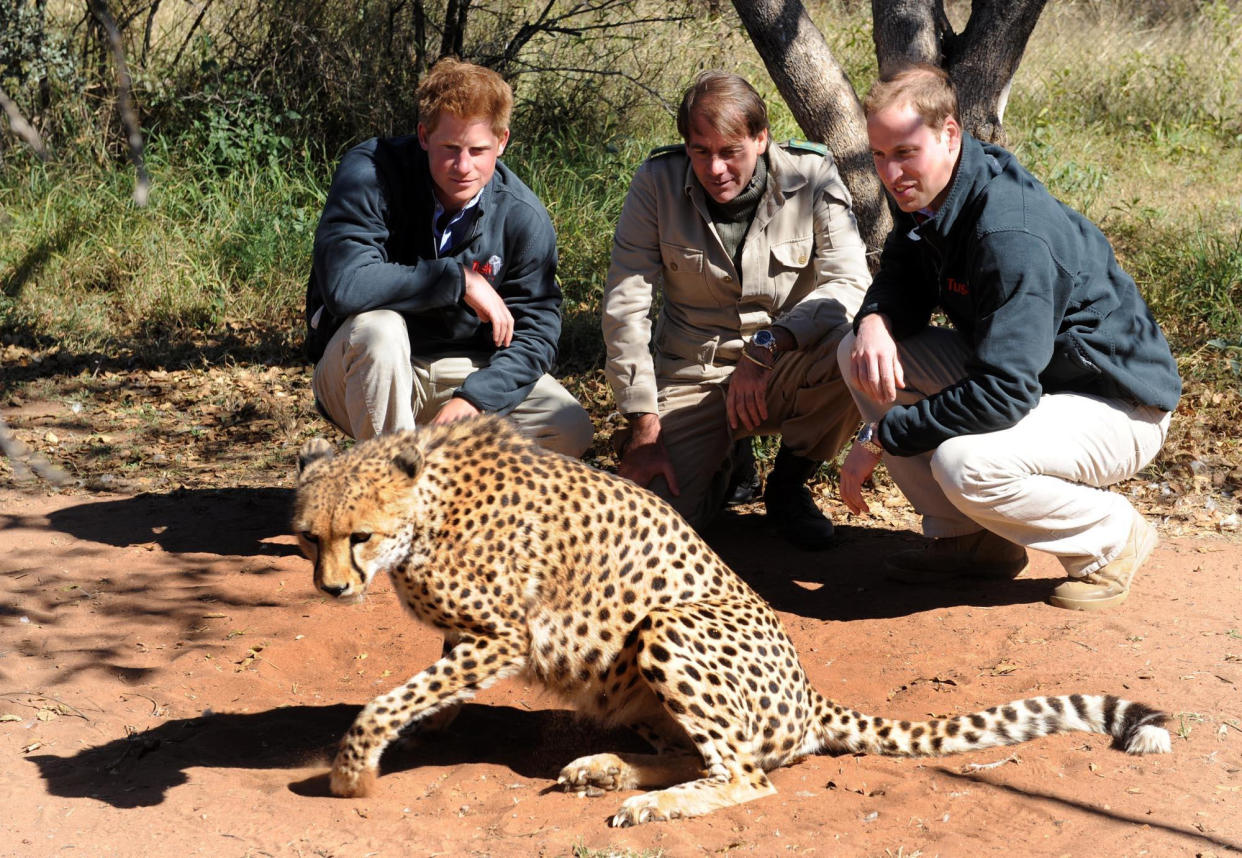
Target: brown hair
x: 466, y: 91
x: 725, y: 102
x: 922, y: 86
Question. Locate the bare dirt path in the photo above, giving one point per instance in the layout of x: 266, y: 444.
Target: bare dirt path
x: 171, y: 683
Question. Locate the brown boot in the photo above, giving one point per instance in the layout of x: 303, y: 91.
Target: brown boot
x: 1109, y: 585
x: 981, y: 554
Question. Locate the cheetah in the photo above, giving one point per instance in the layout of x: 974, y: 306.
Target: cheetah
x: 533, y: 563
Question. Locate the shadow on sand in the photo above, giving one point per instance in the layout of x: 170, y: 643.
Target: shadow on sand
x: 226, y: 522
x: 139, y: 770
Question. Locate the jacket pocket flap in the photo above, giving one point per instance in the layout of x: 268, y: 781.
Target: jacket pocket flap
x: 684, y: 260
x: 795, y: 253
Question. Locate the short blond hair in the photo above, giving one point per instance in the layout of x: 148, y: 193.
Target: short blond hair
x: 922, y: 86
x: 466, y: 91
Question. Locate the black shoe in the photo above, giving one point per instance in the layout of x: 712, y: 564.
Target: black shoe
x: 743, y: 482
x: 790, y: 506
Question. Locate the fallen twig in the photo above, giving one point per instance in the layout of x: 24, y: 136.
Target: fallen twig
x: 978, y: 767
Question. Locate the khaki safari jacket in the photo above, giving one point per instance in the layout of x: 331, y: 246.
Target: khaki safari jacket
x: 803, y: 265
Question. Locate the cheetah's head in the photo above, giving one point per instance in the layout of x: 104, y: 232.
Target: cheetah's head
x: 352, y: 514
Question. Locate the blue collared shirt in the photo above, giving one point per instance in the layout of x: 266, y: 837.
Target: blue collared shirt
x: 453, y: 231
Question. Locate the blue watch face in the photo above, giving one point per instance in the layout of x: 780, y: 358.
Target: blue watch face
x: 764, y: 339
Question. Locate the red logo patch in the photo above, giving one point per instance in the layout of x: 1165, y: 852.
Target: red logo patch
x: 957, y: 287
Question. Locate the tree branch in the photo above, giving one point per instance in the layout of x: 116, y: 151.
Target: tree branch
x: 125, y: 90
x: 19, y: 126
x: 908, y: 31
x: 822, y: 100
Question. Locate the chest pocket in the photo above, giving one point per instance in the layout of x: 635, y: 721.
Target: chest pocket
x: 684, y: 278
x: 680, y: 261
x: 795, y: 253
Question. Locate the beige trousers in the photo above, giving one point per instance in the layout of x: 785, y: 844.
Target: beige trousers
x: 808, y: 403
x: 1038, y: 483
x: 368, y: 383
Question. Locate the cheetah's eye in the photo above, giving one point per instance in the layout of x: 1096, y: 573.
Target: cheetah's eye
x: 309, y: 537
x: 358, y: 538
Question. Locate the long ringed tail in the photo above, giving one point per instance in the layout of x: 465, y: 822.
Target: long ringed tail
x: 1135, y: 728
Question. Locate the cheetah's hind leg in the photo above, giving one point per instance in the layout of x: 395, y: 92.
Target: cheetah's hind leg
x: 724, y: 787
x: 712, y: 710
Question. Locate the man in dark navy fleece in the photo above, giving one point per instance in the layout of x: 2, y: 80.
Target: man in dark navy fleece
x: 433, y: 292
x: 1053, y: 382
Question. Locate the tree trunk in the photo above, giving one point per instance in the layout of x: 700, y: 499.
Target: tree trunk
x: 822, y: 100
x: 908, y: 31
x: 981, y: 60
x: 985, y: 58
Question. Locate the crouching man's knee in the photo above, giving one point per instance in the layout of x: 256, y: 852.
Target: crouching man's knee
x: 569, y: 431
x: 967, y: 478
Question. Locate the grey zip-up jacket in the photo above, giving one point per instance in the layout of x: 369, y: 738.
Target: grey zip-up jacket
x: 375, y: 249
x: 1036, y: 291
x: 803, y: 265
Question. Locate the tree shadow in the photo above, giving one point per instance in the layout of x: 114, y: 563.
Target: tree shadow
x: 26, y: 268
x: 225, y: 522
x: 209, y: 538
x: 256, y: 345
x: 848, y: 581
x: 140, y: 769
x: 1027, y: 797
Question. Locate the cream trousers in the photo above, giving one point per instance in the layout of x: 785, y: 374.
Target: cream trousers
x: 368, y: 384
x: 1039, y: 483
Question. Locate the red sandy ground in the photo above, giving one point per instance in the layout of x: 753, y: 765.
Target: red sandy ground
x: 171, y: 684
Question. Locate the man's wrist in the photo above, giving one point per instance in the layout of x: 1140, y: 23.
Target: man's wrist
x: 644, y: 428
x: 760, y: 357
x: 876, y: 318
x: 868, y: 439
x: 785, y: 339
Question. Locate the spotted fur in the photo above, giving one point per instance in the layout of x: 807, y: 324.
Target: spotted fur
x: 533, y: 563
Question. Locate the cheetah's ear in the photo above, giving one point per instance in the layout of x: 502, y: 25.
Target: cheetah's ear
x: 409, y: 462
x: 314, y: 450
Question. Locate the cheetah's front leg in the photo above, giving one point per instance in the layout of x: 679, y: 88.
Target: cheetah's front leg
x: 472, y: 665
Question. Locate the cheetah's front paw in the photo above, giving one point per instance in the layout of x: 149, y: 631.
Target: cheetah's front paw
x: 594, y: 774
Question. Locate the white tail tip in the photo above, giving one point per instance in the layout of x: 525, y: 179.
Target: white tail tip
x: 1150, y: 739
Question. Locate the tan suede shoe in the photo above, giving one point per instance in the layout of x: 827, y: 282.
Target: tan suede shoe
x: 982, y: 554
x: 1109, y: 585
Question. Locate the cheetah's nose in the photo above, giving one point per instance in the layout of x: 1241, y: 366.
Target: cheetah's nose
x: 334, y: 589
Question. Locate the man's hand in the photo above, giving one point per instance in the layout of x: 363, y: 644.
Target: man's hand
x: 488, y: 306
x: 874, y: 361
x: 455, y: 409
x: 855, y: 470
x: 747, y: 397
x: 646, y: 457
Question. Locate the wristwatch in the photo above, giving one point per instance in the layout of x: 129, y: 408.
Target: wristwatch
x: 761, y: 349
x: 866, y: 439
x: 766, y: 340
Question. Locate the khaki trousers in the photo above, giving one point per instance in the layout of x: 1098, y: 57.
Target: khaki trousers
x: 808, y: 403
x: 368, y: 383
x: 1038, y: 483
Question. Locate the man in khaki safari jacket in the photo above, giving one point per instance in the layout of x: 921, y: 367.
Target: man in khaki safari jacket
x: 761, y: 268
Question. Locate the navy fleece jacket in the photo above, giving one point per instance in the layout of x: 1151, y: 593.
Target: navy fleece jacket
x: 374, y: 249
x: 1036, y: 291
